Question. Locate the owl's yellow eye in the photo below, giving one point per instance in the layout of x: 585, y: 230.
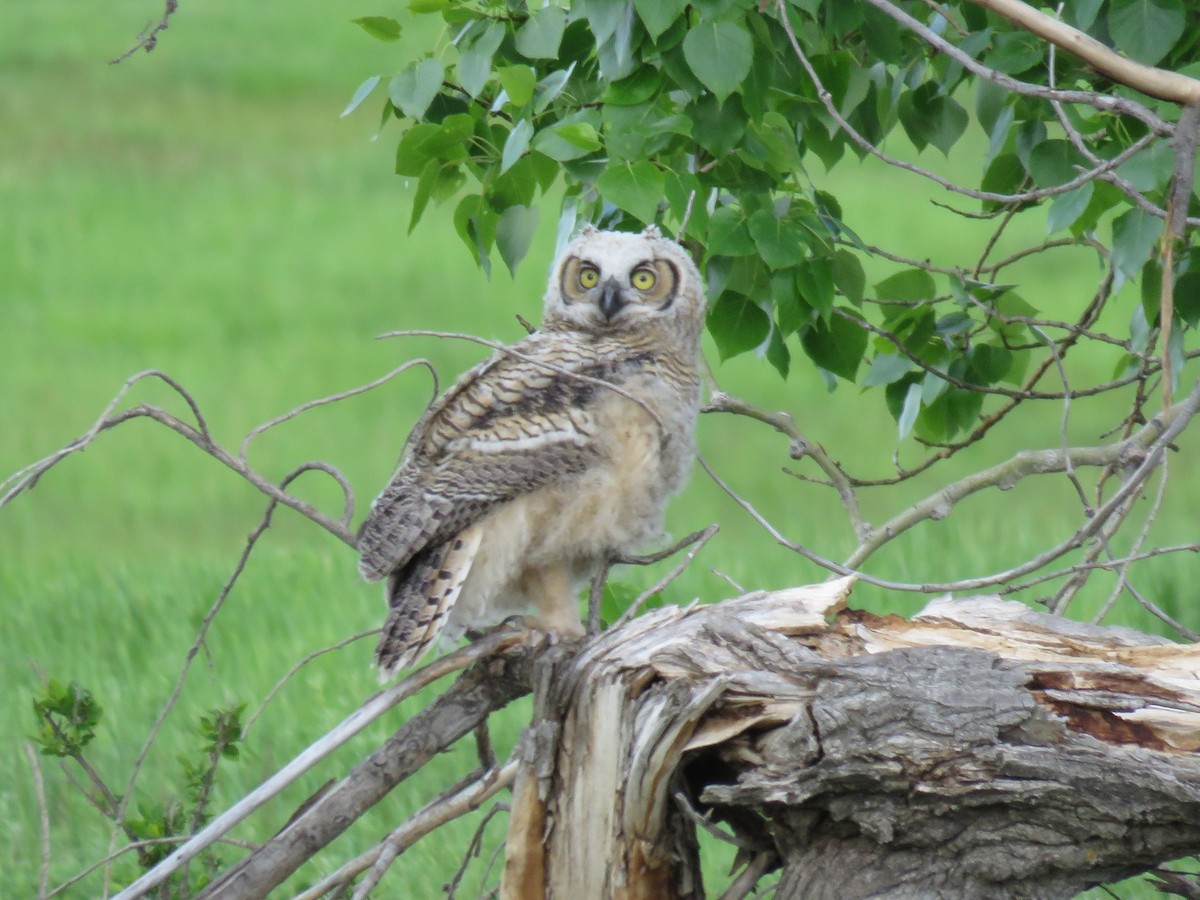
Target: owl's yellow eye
x: 589, y: 277
x: 644, y: 279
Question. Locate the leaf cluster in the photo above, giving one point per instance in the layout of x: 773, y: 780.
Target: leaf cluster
x: 706, y: 118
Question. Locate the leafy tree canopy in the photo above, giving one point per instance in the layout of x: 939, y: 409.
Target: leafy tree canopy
x: 705, y: 117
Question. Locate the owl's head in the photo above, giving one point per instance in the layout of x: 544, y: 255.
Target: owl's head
x: 618, y: 282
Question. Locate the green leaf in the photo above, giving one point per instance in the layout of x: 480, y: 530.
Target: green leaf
x: 790, y: 310
x: 912, y: 406
x: 911, y: 284
x: 1066, y: 208
x: 814, y: 278
x: 414, y: 88
x: 932, y: 118
x: 514, y: 234
x: 777, y: 353
x: 777, y: 241
x: 728, y: 234
x: 1151, y: 169
x: 659, y: 15
x: 1146, y: 30
x: 634, y: 187
x: 639, y: 87
x: 474, y: 69
x: 516, y: 144
x: 737, y: 324
x: 475, y: 223
x: 886, y: 368
x: 1187, y: 298
x: 550, y: 87
x: 990, y: 363
x: 1135, y: 233
x: 518, y: 82
x: 540, y: 36
x: 848, y: 276
x: 1005, y: 175
x: 380, y: 27
x: 360, y: 94
x: 718, y: 127
x: 1054, y: 162
x: 1015, y: 52
x: 836, y: 346
x: 424, y: 142
x: 720, y: 55
x: 572, y: 138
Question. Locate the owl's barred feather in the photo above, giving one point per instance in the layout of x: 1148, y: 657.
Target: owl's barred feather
x: 539, y: 462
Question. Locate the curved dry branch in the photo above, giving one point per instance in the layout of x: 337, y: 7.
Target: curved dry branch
x: 1151, y: 443
x: 334, y: 398
x: 800, y: 448
x: 28, y: 477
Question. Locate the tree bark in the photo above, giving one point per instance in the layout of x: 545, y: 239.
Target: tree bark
x: 981, y: 749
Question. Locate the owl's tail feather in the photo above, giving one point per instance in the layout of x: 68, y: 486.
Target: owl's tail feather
x: 420, y: 596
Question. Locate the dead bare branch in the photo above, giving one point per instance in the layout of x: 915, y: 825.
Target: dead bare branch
x: 466, y: 800
x: 372, y: 709
x: 148, y: 39
x: 39, y: 788
x: 278, y: 686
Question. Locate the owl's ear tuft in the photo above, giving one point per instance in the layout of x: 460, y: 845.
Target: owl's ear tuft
x: 651, y: 232
x: 588, y: 230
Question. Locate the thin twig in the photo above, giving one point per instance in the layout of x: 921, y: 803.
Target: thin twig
x: 297, y: 667
x: 744, y: 884
x: 148, y: 39
x: 468, y: 799
x: 696, y: 540
x: 473, y: 847
x: 138, y: 847
x: 371, y: 710
x: 334, y: 398
x: 800, y: 448
x: 27, y: 477
x: 39, y: 788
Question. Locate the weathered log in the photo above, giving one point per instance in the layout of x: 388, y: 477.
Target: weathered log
x: 981, y: 749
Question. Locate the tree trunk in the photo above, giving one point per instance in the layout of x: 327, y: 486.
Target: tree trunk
x: 981, y: 749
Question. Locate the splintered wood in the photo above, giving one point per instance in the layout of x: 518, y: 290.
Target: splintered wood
x: 980, y: 748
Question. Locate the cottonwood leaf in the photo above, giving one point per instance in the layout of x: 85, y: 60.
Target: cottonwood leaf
x: 720, y: 55
x: 737, y: 324
x: 635, y: 187
x: 415, y: 87
x: 514, y: 234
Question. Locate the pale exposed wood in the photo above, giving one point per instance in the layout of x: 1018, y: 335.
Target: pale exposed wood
x: 1155, y: 82
x: 980, y: 749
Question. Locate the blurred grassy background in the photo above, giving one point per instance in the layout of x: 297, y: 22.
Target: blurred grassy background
x: 203, y: 210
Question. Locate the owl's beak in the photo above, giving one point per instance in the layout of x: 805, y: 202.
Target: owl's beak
x: 612, y: 299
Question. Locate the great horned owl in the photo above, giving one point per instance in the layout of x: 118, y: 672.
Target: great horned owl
x: 548, y: 457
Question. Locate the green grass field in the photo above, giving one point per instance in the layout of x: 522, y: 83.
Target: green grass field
x: 203, y: 210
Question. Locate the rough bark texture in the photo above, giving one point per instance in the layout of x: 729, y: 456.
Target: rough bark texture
x: 980, y: 749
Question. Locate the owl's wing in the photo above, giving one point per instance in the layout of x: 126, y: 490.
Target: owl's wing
x: 505, y: 429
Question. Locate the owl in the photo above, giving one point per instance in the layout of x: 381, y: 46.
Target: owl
x: 550, y: 457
